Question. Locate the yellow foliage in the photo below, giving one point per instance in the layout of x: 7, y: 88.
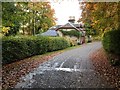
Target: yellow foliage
x: 95, y: 6
x: 45, y: 26
x: 88, y: 6
x: 5, y: 29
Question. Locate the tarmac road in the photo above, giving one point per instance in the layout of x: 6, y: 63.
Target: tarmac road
x: 71, y: 69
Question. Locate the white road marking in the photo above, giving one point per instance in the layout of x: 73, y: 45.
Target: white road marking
x: 75, y: 67
x: 55, y: 65
x: 67, y: 69
x: 62, y: 64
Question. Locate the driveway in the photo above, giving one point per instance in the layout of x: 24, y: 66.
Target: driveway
x: 71, y: 69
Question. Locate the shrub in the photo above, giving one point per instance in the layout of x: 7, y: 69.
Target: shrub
x: 111, y: 44
x: 111, y: 41
x: 17, y: 48
x: 72, y: 33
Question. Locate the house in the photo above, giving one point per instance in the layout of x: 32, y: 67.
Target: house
x: 71, y: 31
x: 72, y: 27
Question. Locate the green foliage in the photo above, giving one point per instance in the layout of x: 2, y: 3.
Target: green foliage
x: 17, y: 48
x: 10, y: 17
x: 57, y: 43
x: 28, y: 17
x: 89, y: 29
x: 72, y: 33
x: 111, y: 41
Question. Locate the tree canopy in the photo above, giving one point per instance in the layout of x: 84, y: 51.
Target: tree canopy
x: 28, y: 17
x: 101, y: 16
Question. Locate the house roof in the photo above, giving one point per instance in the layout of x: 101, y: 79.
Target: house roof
x: 78, y: 25
x: 55, y: 27
x: 50, y: 33
x: 69, y: 25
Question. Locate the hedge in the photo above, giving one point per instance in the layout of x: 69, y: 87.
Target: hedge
x: 111, y: 42
x: 17, y: 48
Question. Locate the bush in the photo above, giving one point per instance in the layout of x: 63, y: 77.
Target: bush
x: 72, y: 33
x: 111, y: 42
x: 17, y: 48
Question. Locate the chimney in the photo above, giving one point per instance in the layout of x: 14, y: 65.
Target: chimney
x: 71, y: 19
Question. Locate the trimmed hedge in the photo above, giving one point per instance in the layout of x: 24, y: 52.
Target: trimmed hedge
x: 111, y: 42
x: 17, y: 48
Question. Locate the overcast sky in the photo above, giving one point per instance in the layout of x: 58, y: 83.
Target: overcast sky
x: 66, y: 8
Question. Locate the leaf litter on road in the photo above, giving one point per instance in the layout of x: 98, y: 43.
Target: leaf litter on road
x: 11, y: 73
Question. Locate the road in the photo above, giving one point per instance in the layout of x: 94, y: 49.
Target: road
x: 71, y: 69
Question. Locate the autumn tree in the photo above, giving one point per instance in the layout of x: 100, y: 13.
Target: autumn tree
x: 101, y: 16
x: 39, y: 17
x: 31, y: 17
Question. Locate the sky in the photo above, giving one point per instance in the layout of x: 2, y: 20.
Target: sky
x: 64, y: 9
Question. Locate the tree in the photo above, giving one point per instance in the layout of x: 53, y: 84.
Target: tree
x: 29, y: 17
x: 102, y: 16
x: 41, y: 17
x: 10, y: 18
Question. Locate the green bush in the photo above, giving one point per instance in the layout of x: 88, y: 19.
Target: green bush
x: 111, y: 42
x: 17, y: 48
x: 72, y: 33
